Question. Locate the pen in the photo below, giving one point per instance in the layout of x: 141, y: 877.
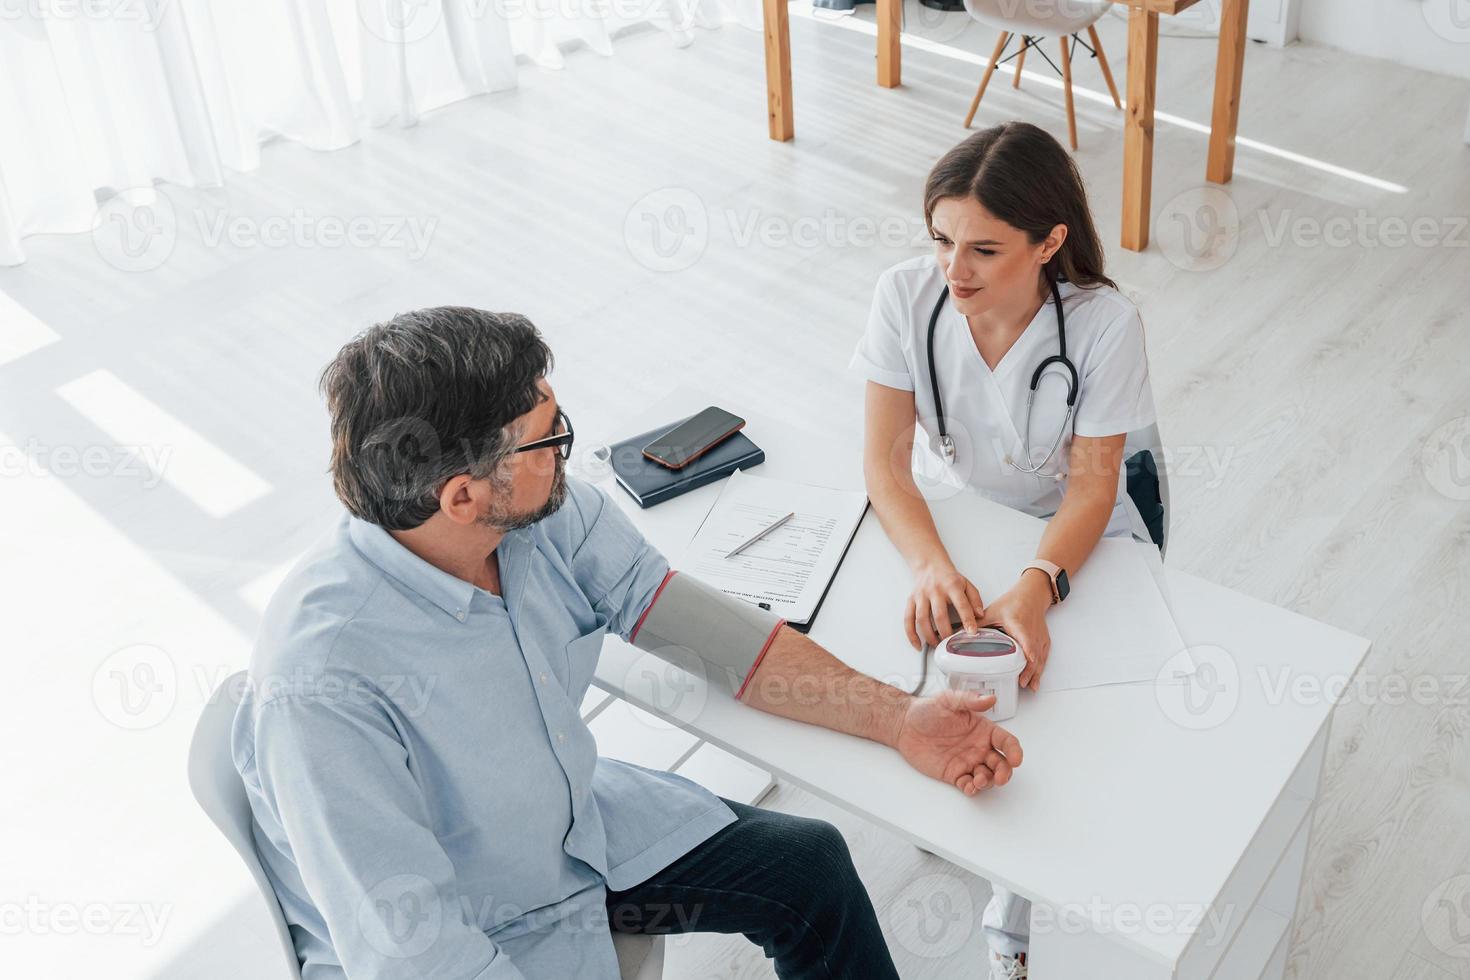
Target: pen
x: 760, y: 534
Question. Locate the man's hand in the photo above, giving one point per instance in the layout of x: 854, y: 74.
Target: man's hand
x: 948, y: 738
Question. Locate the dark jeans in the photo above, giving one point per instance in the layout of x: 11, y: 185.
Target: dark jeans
x: 786, y: 882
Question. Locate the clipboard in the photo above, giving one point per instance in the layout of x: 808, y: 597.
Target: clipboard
x: 791, y: 569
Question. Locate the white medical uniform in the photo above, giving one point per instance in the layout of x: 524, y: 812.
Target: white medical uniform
x: 985, y: 413
x: 985, y: 410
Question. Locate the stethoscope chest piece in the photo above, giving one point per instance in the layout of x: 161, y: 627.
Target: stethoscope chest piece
x: 946, y: 447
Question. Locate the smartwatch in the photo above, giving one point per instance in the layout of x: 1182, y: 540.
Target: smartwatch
x: 1056, y: 575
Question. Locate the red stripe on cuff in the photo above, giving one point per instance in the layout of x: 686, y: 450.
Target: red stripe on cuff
x: 657, y: 592
x: 753, y: 667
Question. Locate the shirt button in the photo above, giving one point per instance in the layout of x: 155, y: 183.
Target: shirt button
x: 459, y: 615
x: 543, y: 677
x: 561, y: 738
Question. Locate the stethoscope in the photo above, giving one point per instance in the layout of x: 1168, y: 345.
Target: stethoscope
x: 946, y: 441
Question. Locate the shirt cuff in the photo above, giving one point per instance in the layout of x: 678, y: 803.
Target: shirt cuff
x: 1098, y: 430
x: 872, y: 372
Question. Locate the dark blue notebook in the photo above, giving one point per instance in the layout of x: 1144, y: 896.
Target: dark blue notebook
x: 649, y: 483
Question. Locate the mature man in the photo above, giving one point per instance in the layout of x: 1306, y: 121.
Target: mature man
x: 427, y: 800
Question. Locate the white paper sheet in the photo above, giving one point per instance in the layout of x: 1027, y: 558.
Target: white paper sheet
x: 788, y: 569
x: 1114, y: 628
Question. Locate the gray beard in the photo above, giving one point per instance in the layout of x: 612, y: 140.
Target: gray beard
x: 505, y: 520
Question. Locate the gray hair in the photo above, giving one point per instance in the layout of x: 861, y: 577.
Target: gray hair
x: 424, y: 397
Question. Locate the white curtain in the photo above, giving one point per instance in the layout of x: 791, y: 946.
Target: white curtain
x: 107, y: 96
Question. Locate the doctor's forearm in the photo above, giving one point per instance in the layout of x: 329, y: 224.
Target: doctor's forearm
x: 1075, y: 529
x: 906, y: 520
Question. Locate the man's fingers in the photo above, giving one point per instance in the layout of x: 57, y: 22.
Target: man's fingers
x: 1007, y: 744
x: 997, y: 764
x: 971, y: 700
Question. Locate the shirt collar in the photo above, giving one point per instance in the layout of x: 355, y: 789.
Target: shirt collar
x: 448, y: 592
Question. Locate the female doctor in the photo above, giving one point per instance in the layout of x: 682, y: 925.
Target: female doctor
x: 958, y: 342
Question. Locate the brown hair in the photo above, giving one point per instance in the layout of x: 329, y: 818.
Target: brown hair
x: 1024, y: 177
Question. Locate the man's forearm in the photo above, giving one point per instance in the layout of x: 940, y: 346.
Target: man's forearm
x: 798, y: 679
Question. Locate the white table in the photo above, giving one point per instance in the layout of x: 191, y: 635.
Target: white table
x: 1155, y: 841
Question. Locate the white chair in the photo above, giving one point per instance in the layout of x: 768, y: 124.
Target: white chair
x: 1033, y: 20
x: 221, y: 794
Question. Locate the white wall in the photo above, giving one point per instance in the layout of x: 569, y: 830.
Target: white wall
x: 1433, y: 35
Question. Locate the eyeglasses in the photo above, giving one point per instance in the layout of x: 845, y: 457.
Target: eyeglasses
x: 561, y: 442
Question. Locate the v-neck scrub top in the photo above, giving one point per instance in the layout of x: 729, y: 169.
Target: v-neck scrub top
x: 985, y: 410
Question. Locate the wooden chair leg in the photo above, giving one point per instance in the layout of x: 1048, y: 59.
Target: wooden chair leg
x: 1021, y: 60
x: 1102, y: 61
x: 1000, y: 47
x: 1067, y: 86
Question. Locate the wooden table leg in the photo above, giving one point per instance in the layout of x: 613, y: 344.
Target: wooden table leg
x: 1229, y: 64
x: 778, y: 70
x: 1138, y: 129
x: 890, y: 54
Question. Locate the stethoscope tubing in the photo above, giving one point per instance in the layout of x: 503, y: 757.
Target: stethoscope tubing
x: 946, y: 441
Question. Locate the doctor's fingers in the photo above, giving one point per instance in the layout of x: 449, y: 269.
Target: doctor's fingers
x: 939, y: 609
x: 966, y: 602
x: 908, y: 623
x: 916, y: 620
x: 976, y: 603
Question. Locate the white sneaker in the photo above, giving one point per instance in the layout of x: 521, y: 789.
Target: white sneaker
x: 1007, y: 967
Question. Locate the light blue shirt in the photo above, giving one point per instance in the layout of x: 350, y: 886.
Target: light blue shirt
x: 427, y: 800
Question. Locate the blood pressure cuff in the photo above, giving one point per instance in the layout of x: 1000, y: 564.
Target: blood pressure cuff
x: 696, y: 626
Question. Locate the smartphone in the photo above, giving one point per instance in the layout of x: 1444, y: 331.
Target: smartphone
x: 693, y: 437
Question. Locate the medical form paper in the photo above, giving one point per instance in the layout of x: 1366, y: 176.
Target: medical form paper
x: 788, y: 569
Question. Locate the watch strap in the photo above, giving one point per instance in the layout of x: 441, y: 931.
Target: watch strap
x: 1052, y: 571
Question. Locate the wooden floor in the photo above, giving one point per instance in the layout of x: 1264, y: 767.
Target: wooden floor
x: 1316, y: 394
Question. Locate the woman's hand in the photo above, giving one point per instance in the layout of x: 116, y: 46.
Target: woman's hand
x: 1021, y: 612
x: 937, y: 587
